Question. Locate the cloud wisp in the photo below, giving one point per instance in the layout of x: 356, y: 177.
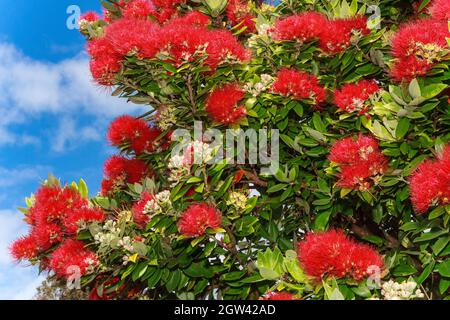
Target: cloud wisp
x: 32, y: 88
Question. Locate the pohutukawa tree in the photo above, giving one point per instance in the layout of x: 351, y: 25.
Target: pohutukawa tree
x: 360, y: 205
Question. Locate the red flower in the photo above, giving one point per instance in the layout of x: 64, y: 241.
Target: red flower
x: 90, y: 16
x: 52, y: 204
x: 46, y: 235
x: 194, y: 18
x: 71, y: 258
x: 239, y: 175
x: 440, y: 9
x: 24, y: 248
x: 139, y: 9
x: 127, y: 36
x: 239, y: 13
x: 81, y: 216
x: 185, y: 42
x: 360, y: 161
x: 349, y: 150
x: 223, y: 106
x: 140, y: 216
x: 305, y: 27
x: 283, y: 295
x: 417, y: 47
x: 331, y: 253
x: 119, y: 171
x: 105, y: 62
x: 336, y: 36
x: 197, y: 218
x: 352, y: 97
x: 300, y: 85
x: 430, y: 183
x: 136, y: 132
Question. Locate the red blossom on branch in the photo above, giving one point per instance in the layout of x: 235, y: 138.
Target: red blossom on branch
x: 430, y: 183
x: 140, y: 216
x: 223, y: 104
x: 333, y: 35
x: 299, y: 84
x: 440, y: 9
x: 197, y: 218
x: 139, y: 9
x: 417, y: 46
x: 135, y: 132
x: 119, y: 171
x: 332, y: 253
x: 71, y: 258
x: 282, y: 295
x: 352, y: 96
x: 24, y: 248
x: 305, y: 27
x: 90, y: 16
x: 360, y: 160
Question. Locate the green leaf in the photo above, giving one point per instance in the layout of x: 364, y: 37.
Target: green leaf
x: 198, y: 270
x: 402, y: 128
x: 83, y: 189
x: 293, y: 267
x: 321, y: 221
x: 430, y: 236
x: 174, y: 280
x: 444, y: 268
x: 440, y: 244
x: 270, y: 264
x: 362, y: 290
x: 433, y: 90
x: 404, y: 270
x: 414, y: 89
x: 318, y: 123
x: 444, y: 284
x: 277, y: 188
x: 139, y: 271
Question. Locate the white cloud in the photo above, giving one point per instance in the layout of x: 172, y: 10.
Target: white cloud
x: 17, y: 281
x: 10, y: 177
x: 68, y: 135
x: 32, y: 88
x: 12, y: 227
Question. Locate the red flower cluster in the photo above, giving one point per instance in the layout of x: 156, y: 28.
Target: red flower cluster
x: 119, y: 171
x: 134, y: 132
x: 140, y: 217
x: 430, y: 183
x: 197, y: 218
x: 105, y: 63
x: 440, y: 9
x: 417, y: 47
x: 90, y: 16
x: 222, y: 105
x: 182, y: 39
x: 139, y: 9
x: 333, y: 35
x: 331, y: 253
x: 56, y: 215
x: 72, y: 259
x: 238, y: 12
x: 352, y: 96
x: 299, y: 85
x: 184, y: 42
x: 360, y: 160
x: 282, y: 295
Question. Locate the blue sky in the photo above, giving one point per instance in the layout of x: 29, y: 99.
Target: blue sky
x: 52, y: 117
